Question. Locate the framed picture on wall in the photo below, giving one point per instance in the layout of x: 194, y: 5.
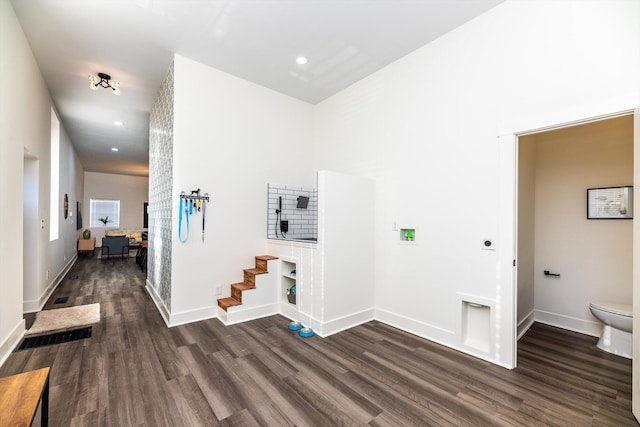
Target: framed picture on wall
x: 78, y: 216
x: 610, y: 203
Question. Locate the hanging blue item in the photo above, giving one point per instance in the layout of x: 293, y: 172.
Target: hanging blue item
x: 192, y: 204
x: 186, y: 214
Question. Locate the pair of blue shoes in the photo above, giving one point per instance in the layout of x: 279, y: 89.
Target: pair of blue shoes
x: 304, y: 332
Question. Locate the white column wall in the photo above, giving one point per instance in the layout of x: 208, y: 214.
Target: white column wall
x: 346, y: 244
x: 231, y: 138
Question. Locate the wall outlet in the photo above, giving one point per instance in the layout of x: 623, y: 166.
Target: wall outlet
x: 395, y: 226
x: 64, y: 257
x: 218, y: 290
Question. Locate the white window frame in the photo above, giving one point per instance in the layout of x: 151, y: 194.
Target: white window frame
x: 54, y: 175
x: 96, y: 212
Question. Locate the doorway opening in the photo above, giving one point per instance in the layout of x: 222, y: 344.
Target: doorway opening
x: 566, y: 261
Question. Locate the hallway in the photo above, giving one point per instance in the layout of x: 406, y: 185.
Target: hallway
x: 136, y: 371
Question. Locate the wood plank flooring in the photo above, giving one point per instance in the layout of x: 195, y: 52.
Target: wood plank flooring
x: 134, y: 371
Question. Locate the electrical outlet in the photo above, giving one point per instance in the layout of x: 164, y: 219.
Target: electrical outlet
x: 218, y: 290
x: 64, y: 257
x: 395, y: 226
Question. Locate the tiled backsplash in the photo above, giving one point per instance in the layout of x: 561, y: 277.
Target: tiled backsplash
x: 303, y: 223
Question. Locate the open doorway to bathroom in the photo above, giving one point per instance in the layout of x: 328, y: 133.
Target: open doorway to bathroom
x: 508, y: 231
x: 586, y: 260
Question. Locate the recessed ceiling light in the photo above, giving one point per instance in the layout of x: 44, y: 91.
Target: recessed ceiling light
x: 114, y: 149
x: 118, y: 123
x: 301, y: 60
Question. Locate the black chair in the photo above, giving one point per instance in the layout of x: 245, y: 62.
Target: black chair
x: 115, y: 245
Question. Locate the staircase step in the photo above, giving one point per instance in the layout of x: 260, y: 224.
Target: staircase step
x: 250, y: 275
x: 225, y: 303
x: 237, y: 288
x: 261, y: 261
x: 248, y: 284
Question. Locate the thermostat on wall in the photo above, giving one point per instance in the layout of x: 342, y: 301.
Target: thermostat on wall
x: 488, y: 244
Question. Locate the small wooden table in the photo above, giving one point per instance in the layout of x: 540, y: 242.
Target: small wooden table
x: 20, y: 395
x: 87, y: 245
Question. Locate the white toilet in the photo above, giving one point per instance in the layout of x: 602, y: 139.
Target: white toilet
x: 616, y: 335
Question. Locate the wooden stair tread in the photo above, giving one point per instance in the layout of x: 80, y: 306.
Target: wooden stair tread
x: 248, y: 283
x: 225, y: 303
x: 266, y: 257
x: 243, y: 286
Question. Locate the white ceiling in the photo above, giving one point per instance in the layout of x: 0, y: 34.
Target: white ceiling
x: 258, y: 40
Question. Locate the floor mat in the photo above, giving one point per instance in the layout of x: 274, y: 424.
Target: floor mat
x: 57, y: 338
x: 59, y: 319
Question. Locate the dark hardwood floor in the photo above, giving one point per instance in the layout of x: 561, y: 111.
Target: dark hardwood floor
x: 134, y: 371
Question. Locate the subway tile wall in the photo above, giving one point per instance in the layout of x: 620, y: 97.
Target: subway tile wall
x: 303, y: 223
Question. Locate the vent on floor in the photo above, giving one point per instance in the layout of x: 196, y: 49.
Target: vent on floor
x: 56, y: 338
x: 61, y: 300
x: 73, y: 277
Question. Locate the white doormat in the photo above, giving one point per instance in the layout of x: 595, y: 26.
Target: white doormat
x: 65, y: 318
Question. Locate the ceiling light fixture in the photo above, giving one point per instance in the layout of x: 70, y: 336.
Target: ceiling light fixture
x: 114, y: 149
x: 301, y: 60
x: 118, y: 123
x: 104, y: 80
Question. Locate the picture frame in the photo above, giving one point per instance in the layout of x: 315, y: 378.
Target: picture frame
x: 610, y: 202
x: 78, y: 216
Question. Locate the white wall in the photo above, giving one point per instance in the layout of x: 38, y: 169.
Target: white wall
x: 426, y: 127
x: 231, y: 138
x: 344, y: 291
x: 526, y: 231
x: 132, y: 191
x: 25, y: 123
x: 593, y: 257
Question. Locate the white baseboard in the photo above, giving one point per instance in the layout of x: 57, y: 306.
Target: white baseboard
x: 12, y: 341
x: 35, y: 305
x: 574, y: 324
x: 324, y: 329
x: 176, y: 319
x: 237, y: 314
x: 421, y: 329
x: 526, y: 323
x: 182, y: 318
x: 164, y: 311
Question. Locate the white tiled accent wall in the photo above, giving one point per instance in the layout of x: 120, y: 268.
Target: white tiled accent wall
x: 303, y: 223
x: 160, y: 190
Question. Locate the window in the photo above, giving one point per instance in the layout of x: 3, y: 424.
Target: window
x: 54, y: 190
x: 104, y: 213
